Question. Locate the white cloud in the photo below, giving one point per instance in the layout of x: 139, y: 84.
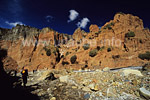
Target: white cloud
x: 83, y: 23
x: 49, y: 18
x: 73, y: 15
x: 14, y: 23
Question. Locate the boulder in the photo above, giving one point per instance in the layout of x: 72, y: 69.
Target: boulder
x: 126, y: 72
x: 86, y: 82
x: 145, y: 93
x: 64, y: 78
x: 146, y: 67
x: 93, y: 87
x: 50, y: 77
x: 74, y: 87
x: 98, y: 70
x: 86, y: 89
x: 44, y: 75
x: 53, y: 98
x: 87, y: 96
x: 106, y: 69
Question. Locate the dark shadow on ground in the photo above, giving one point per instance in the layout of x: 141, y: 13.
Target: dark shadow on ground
x: 7, y: 90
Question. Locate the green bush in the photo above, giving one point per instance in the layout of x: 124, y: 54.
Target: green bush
x: 54, y: 51
x: 130, y: 34
x: 93, y: 52
x: 91, y: 37
x: 48, y: 52
x: 108, y: 49
x: 57, y: 49
x: 115, y: 56
x: 98, y: 48
x: 141, y: 41
x: 65, y: 63
x: 112, y: 24
x: 78, y: 42
x: 73, y: 59
x: 86, y: 46
x: 145, y: 56
x: 67, y: 53
x: 108, y: 26
x: 102, y: 48
x: 45, y: 48
x: 97, y: 33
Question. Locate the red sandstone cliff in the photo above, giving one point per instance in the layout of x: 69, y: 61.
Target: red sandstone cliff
x: 30, y: 47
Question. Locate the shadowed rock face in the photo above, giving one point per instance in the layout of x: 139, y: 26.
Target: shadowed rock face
x: 7, y: 83
x: 18, y: 32
x: 124, y: 37
x: 9, y: 64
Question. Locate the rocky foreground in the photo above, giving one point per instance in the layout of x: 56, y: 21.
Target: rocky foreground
x: 122, y: 84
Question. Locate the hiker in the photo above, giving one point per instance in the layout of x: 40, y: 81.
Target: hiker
x: 24, y: 73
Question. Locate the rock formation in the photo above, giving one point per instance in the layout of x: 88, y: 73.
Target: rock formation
x: 94, y: 28
x: 117, y: 44
x: 78, y: 34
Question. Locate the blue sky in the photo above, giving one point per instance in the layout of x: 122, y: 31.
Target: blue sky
x: 65, y: 16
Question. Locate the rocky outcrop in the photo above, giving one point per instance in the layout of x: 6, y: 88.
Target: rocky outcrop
x: 145, y: 93
x: 53, y: 37
x: 10, y: 64
x: 121, y: 25
x: 20, y: 31
x: 3, y: 32
x: 47, y: 35
x: 119, y: 42
x: 126, y: 72
x: 93, y: 28
x: 78, y: 34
